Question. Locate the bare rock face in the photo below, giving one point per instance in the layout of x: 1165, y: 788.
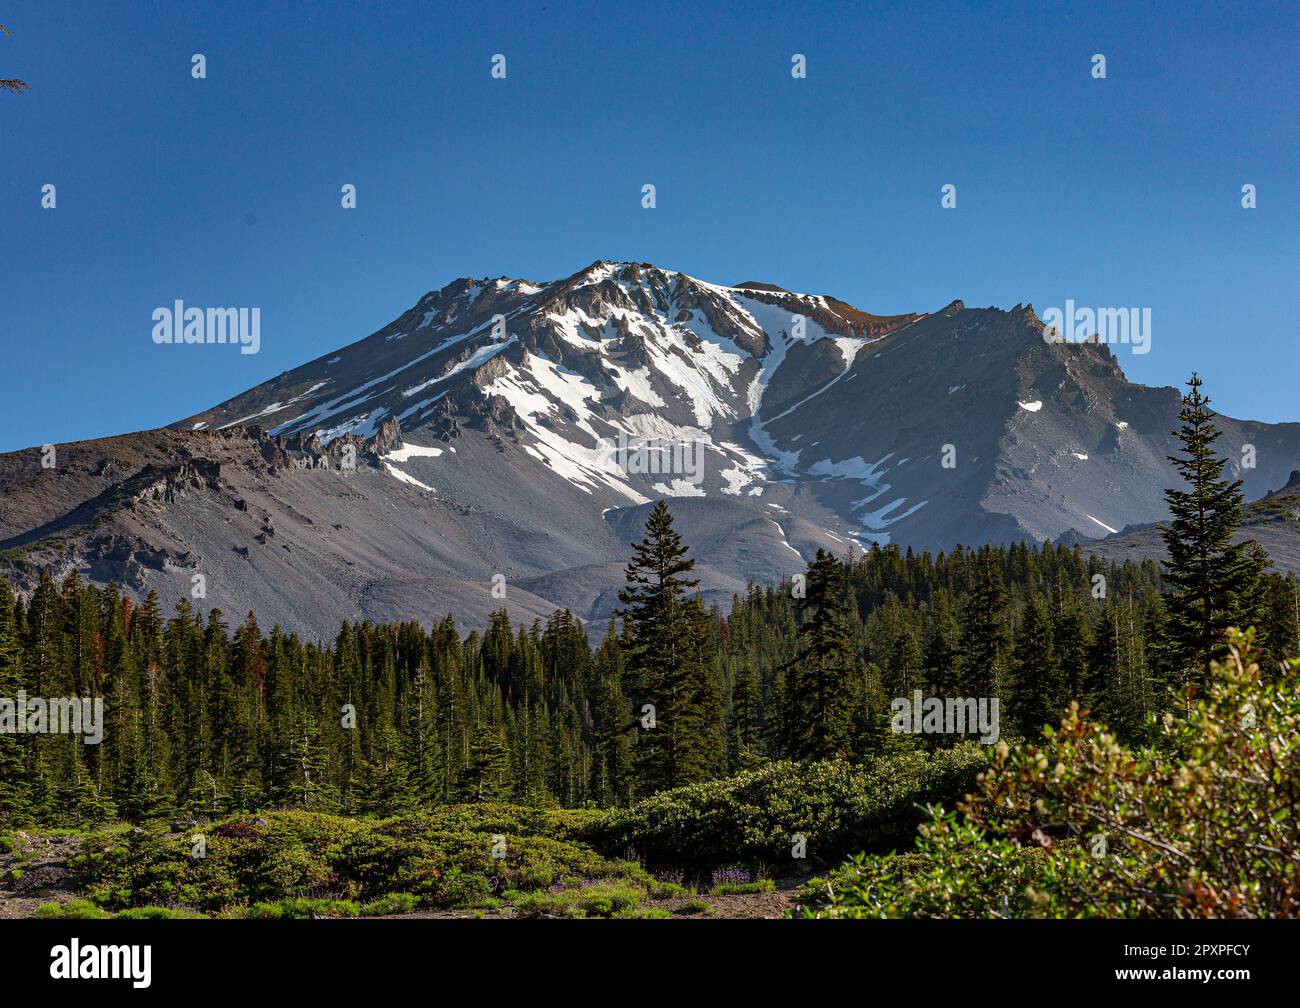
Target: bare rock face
x: 503, y: 431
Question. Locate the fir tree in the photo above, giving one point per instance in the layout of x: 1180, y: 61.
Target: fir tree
x: 742, y: 728
x: 488, y: 776
x: 941, y: 649
x: 984, y: 635
x: 668, y: 663
x: 15, y: 792
x: 1212, y: 578
x: 387, y: 788
x: 824, y: 669
x: 1072, y: 639
x: 1039, y: 692
x: 613, y: 767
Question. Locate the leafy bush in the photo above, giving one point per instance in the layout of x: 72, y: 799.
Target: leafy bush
x: 78, y: 909
x: 606, y: 900
x: 742, y: 888
x: 838, y: 807
x: 391, y: 903
x: 539, y: 903
x: 643, y: 913
x: 1080, y: 826
x: 600, y: 900
x: 302, y: 909
x: 442, y: 858
x: 156, y: 913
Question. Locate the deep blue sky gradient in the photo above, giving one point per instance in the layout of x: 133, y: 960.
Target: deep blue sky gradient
x: 225, y: 191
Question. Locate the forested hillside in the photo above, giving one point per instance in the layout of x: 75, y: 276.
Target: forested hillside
x: 204, y: 718
x: 688, y: 735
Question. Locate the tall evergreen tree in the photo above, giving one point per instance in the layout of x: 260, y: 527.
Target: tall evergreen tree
x: 742, y: 728
x: 941, y: 647
x: 1212, y: 578
x: 15, y: 791
x: 488, y: 776
x: 984, y: 634
x: 1072, y: 639
x: 822, y: 673
x: 1039, y: 689
x: 668, y: 664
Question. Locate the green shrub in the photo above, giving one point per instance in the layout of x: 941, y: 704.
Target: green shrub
x: 302, y: 909
x: 742, y: 888
x: 695, y: 906
x: 157, y: 913
x: 606, y: 900
x: 78, y: 909
x: 536, y: 876
x: 537, y: 903
x: 838, y: 807
x: 1079, y: 825
x: 432, y: 856
x: 643, y: 913
x: 599, y: 900
x: 391, y: 903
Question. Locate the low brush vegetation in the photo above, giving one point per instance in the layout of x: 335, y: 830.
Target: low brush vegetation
x: 759, y: 815
x: 535, y: 862
x: 299, y: 864
x: 1202, y: 826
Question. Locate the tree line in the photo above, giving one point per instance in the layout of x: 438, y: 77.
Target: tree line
x: 206, y: 718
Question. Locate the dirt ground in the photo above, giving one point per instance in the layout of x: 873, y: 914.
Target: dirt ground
x: 45, y: 877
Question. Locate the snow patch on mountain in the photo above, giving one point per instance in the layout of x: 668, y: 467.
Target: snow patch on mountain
x: 1101, y: 523
x: 409, y: 451
x: 532, y: 391
x: 392, y: 470
x: 480, y: 356
x: 680, y: 488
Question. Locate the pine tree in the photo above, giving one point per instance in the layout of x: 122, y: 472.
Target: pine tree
x: 1039, y: 689
x: 823, y: 670
x: 742, y: 728
x: 387, y: 788
x: 984, y: 635
x: 700, y: 741
x: 941, y: 650
x: 488, y: 776
x: 613, y: 767
x: 11, y: 83
x: 668, y: 663
x: 15, y: 791
x: 1212, y: 578
x: 1072, y: 639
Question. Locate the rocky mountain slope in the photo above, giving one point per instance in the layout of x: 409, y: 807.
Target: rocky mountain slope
x: 504, y: 437
x: 1273, y: 521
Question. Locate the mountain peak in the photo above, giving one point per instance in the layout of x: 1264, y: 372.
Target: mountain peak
x: 760, y: 285
x: 501, y: 425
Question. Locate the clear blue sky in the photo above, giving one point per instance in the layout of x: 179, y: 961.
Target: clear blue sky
x: 225, y: 191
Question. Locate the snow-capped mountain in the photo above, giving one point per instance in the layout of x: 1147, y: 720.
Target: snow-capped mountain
x: 508, y: 436
x: 564, y: 373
